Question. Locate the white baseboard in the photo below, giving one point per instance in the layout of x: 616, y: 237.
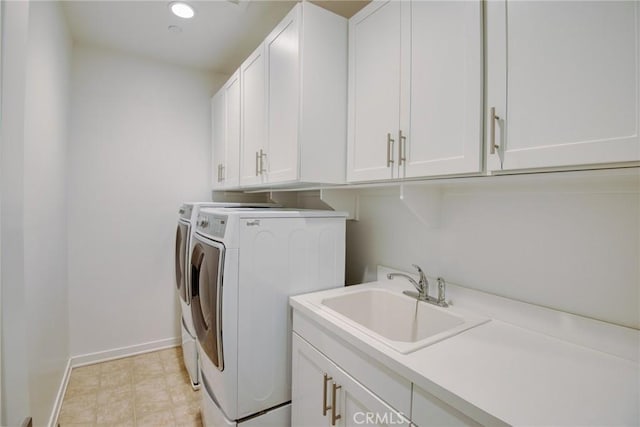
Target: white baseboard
x: 57, y: 405
x: 118, y: 353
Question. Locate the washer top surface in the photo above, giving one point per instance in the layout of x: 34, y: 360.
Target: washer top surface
x: 254, y: 212
x: 188, y: 209
x: 231, y: 204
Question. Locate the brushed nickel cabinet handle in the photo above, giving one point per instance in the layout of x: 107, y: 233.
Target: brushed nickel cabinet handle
x: 325, y: 408
x: 402, y: 148
x: 493, y: 130
x: 390, y: 142
x: 262, y: 156
x: 222, y: 172
x: 334, y: 417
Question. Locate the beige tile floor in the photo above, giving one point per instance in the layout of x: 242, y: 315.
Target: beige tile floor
x: 151, y: 389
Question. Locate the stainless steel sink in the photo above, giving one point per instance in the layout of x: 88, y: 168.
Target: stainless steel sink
x: 401, y: 322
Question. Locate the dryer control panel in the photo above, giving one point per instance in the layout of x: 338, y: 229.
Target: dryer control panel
x: 185, y: 212
x: 212, y: 224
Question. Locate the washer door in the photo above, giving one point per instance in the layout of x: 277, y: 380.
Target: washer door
x: 181, y: 253
x: 207, y: 260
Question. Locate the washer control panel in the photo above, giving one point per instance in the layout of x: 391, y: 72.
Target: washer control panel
x: 212, y: 224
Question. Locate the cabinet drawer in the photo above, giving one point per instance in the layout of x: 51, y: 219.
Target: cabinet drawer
x: 384, y: 383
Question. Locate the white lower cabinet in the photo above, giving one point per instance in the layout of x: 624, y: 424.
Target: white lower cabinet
x: 427, y: 410
x: 335, y: 384
x: 324, y: 395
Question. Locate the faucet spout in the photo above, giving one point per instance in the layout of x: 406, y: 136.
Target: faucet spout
x: 415, y: 284
x: 422, y: 286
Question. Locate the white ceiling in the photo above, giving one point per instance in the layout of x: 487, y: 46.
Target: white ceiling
x: 218, y: 38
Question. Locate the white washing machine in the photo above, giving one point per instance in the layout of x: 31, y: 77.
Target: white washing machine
x: 246, y: 263
x: 187, y: 215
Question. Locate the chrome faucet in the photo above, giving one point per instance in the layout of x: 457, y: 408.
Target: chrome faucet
x: 422, y: 286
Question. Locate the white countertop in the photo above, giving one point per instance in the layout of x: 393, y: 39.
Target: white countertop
x: 505, y: 372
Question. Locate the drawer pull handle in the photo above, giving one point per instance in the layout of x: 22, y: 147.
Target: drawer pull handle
x: 262, y: 156
x: 390, y: 142
x: 325, y: 408
x: 334, y: 417
x: 493, y: 119
x: 402, y: 148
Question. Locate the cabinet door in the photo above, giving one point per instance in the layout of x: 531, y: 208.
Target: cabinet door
x: 218, y: 125
x: 318, y: 383
x: 374, y: 91
x: 444, y: 132
x: 428, y: 411
x: 356, y: 405
x: 283, y: 86
x: 564, y: 82
x: 252, y: 104
x: 231, y: 170
x: 307, y: 385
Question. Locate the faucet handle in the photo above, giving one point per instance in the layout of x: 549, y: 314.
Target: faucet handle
x: 441, y: 293
x: 423, y: 277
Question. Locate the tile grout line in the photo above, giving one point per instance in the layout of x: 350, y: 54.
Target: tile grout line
x: 166, y: 384
x: 95, y: 416
x: 166, y: 388
x: 133, y: 394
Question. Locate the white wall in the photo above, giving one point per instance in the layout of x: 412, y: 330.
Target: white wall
x: 15, y: 391
x: 34, y: 281
x: 565, y: 241
x: 45, y: 203
x: 140, y: 145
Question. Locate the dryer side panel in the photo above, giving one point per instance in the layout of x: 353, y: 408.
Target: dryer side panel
x: 279, y: 257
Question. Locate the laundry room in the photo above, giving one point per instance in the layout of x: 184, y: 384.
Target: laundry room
x: 314, y: 213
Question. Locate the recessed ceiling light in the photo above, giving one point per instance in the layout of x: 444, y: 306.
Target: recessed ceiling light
x: 181, y: 9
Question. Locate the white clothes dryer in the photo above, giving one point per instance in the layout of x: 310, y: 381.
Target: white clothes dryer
x: 187, y: 215
x: 245, y: 264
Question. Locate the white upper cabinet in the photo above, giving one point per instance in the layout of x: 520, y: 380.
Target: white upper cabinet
x: 231, y: 171
x: 444, y: 103
x: 563, y: 81
x: 283, y: 80
x: 225, y: 108
x: 374, y: 91
x: 306, y: 63
x: 294, y: 102
x: 415, y: 90
x: 253, y: 118
x: 218, y: 124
